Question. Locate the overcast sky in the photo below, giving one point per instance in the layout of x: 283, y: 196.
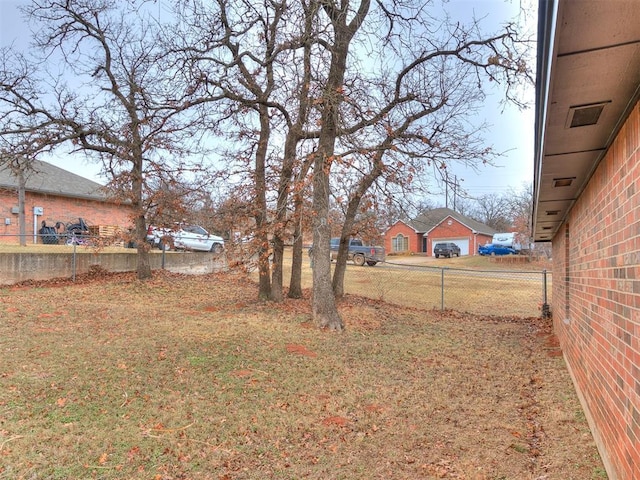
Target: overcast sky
x: 510, y: 131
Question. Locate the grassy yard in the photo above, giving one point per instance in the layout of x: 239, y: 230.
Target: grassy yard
x: 192, y: 378
x: 471, y: 283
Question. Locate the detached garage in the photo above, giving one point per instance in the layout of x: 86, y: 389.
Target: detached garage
x: 433, y: 226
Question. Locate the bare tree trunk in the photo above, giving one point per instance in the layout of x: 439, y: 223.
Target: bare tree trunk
x: 280, y: 221
x: 144, y: 266
x: 293, y: 138
x: 21, y: 206
x: 341, y: 260
x: 377, y: 169
x: 264, y: 281
x: 277, y: 267
x: 325, y: 311
x: 295, y: 283
x: 350, y: 218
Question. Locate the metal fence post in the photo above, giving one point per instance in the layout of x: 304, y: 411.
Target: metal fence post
x: 442, y: 289
x: 74, y: 263
x: 545, y: 305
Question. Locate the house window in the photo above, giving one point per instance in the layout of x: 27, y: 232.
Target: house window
x: 400, y: 243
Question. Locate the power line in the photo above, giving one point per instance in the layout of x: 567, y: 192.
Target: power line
x: 455, y: 186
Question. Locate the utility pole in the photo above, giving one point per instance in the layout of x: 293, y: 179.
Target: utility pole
x: 455, y: 186
x: 446, y: 190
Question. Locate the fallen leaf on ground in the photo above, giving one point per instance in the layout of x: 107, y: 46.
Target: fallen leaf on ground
x: 300, y: 350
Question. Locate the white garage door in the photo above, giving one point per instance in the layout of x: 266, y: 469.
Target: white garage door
x: 463, y: 243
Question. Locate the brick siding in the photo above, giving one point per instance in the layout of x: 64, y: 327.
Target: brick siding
x: 58, y: 209
x: 596, y: 300
x: 455, y: 231
x: 443, y: 231
x: 415, y: 239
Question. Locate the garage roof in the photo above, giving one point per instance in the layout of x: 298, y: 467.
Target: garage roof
x: 429, y: 219
x: 588, y: 82
x: 48, y: 179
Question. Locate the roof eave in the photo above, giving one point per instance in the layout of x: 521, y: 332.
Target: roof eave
x: 547, y: 25
x: 96, y: 198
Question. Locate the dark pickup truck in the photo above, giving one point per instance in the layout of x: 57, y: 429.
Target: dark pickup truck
x: 359, y: 253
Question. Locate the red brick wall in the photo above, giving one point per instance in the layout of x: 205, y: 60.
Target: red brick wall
x: 596, y: 300
x: 455, y: 231
x: 482, y: 239
x: 56, y: 209
x: 443, y: 231
x: 415, y: 239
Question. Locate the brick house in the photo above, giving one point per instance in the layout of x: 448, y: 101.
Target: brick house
x: 53, y: 195
x: 433, y: 226
x: 587, y: 202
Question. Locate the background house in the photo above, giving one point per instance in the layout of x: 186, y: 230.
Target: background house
x: 56, y: 195
x: 433, y: 226
x: 587, y: 201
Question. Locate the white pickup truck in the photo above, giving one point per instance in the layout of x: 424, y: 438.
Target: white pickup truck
x: 184, y: 237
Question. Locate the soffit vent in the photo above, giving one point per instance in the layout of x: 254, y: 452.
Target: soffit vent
x: 563, y: 182
x: 583, y: 115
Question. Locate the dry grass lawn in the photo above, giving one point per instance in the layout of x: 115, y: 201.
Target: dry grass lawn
x: 193, y: 378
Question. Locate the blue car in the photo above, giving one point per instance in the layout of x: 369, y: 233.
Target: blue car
x: 491, y: 249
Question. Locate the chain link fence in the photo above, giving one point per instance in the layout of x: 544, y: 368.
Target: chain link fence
x: 502, y: 292
x: 91, y: 236
x: 94, y: 255
x: 50, y: 254
x: 486, y: 292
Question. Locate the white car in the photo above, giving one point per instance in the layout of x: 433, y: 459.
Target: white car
x: 185, y: 237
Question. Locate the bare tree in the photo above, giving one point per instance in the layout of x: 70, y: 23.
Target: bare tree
x: 464, y: 206
x: 390, y: 122
x: 344, y: 20
x: 250, y: 66
x: 22, y: 138
x: 293, y: 173
x: 520, y: 208
x: 20, y: 168
x: 412, y: 118
x: 493, y: 210
x: 301, y: 223
x: 371, y: 95
x: 109, y: 90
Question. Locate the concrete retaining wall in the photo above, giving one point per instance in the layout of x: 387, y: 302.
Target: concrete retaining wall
x: 18, y: 267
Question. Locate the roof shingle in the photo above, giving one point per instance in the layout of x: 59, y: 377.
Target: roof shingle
x: 45, y: 178
x: 429, y: 219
